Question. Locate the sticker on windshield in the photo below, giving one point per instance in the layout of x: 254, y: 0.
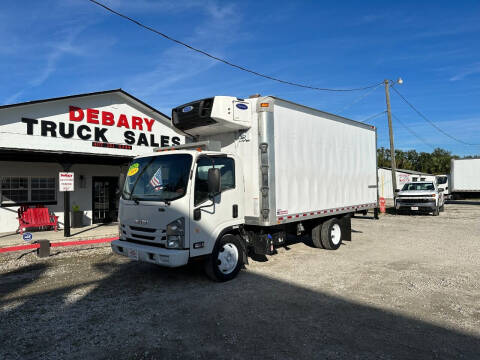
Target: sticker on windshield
x: 156, y: 180
x: 133, y: 169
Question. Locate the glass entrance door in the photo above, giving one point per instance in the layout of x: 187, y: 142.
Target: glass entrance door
x: 105, y: 204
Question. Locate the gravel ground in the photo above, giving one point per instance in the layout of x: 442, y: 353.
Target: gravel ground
x: 405, y: 287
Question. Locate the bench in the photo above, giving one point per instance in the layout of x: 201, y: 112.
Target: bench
x: 36, y: 218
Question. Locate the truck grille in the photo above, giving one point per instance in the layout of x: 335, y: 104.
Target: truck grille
x: 415, y: 201
x: 144, y: 229
x: 145, y: 237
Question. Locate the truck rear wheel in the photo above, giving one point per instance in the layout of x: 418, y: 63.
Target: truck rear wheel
x: 317, y: 236
x: 436, y: 211
x: 226, y: 259
x: 331, y: 234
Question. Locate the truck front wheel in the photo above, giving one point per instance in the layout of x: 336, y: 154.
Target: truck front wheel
x: 331, y: 234
x: 226, y: 259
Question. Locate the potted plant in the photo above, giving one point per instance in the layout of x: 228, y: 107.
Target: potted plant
x: 77, y: 216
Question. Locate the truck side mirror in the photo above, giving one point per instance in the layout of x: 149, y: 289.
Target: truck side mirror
x: 397, y: 190
x: 440, y: 189
x: 213, y: 181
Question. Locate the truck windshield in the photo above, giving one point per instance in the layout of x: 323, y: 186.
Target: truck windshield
x: 157, y: 178
x: 418, y: 186
x: 442, y: 180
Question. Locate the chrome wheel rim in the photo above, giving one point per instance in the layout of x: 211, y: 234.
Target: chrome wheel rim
x: 335, y: 234
x: 227, y: 259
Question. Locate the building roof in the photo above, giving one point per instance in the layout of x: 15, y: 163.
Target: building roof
x: 119, y: 91
x: 408, y: 171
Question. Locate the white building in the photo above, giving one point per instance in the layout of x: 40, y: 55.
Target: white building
x: 93, y: 135
x: 385, y: 188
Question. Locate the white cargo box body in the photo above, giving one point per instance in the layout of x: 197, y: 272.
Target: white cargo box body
x: 465, y: 175
x: 313, y: 164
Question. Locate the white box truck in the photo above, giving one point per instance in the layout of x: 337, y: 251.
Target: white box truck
x: 257, y: 170
x: 464, y: 178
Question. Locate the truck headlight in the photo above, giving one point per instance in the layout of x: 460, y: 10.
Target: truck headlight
x: 176, y: 234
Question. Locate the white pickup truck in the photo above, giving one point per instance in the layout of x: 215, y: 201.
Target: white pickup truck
x: 420, y: 196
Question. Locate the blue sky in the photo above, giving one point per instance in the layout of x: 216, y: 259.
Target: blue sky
x: 56, y: 48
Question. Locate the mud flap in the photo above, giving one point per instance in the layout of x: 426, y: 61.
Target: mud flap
x: 244, y: 252
x: 346, y: 225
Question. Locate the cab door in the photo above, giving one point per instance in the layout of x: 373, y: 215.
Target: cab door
x: 212, y: 215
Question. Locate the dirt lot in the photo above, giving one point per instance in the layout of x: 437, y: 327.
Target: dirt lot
x: 405, y: 287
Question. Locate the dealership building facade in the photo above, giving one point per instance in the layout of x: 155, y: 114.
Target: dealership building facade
x: 92, y: 135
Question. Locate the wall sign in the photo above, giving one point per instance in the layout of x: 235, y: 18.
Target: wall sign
x: 27, y: 236
x: 106, y: 124
x: 65, y: 181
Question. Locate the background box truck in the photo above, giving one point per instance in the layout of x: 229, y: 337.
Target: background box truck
x: 257, y: 170
x: 464, y: 178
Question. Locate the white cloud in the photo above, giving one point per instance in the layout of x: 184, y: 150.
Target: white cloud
x: 470, y: 70
x: 177, y: 63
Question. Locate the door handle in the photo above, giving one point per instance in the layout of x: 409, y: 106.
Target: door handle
x: 235, y: 211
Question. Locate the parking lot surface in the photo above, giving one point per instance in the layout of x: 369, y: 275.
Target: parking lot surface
x: 405, y: 287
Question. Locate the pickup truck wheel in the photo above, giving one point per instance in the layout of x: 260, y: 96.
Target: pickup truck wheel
x: 226, y: 259
x: 331, y: 234
x: 436, y: 211
x: 442, y: 208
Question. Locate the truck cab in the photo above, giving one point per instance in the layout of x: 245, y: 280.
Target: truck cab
x: 422, y: 196
x: 175, y: 204
x: 443, y: 182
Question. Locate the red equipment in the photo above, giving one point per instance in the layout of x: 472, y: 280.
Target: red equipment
x: 382, y: 205
x: 35, y: 218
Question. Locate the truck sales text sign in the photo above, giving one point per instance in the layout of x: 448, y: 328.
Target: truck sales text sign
x: 107, y: 124
x: 65, y: 181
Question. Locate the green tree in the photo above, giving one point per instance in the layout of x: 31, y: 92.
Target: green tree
x: 437, y: 162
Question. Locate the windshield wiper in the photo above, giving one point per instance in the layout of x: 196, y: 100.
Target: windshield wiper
x: 135, y: 199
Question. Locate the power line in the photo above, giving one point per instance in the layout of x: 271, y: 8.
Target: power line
x: 413, y: 132
x: 373, y: 116
x: 431, y: 122
x: 359, y: 98
x: 223, y: 60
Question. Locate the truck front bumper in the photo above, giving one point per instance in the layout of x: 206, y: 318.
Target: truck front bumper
x: 422, y: 206
x: 152, y: 254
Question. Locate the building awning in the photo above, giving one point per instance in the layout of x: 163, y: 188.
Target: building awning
x: 62, y: 157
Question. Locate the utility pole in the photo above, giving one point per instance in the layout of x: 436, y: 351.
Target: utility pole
x: 390, y: 130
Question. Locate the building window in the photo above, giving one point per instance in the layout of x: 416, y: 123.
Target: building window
x: 27, y: 190
x: 14, y: 190
x: 42, y: 189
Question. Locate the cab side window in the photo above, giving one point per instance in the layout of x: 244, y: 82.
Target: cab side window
x: 227, y: 176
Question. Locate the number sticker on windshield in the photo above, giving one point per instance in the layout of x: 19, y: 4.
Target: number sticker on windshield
x: 133, y: 169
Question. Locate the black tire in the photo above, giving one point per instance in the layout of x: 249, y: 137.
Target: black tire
x: 218, y: 271
x: 317, y: 236
x: 331, y: 234
x: 436, y: 211
x: 442, y: 208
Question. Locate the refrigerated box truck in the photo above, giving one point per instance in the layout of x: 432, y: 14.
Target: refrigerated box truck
x: 464, y: 178
x: 257, y: 170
